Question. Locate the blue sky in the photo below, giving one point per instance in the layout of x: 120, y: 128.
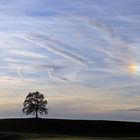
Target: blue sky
x: 82, y: 54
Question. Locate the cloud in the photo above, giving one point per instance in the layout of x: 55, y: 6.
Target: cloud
x: 53, y: 76
x: 66, y: 54
x: 135, y: 109
x: 27, y: 54
x: 20, y: 73
x: 115, y: 56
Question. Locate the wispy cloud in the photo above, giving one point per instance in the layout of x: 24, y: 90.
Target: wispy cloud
x: 55, y: 77
x: 27, y: 54
x: 135, y: 109
x: 60, y: 51
x: 116, y: 56
x: 20, y: 73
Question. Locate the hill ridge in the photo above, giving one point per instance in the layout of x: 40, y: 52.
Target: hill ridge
x: 99, y: 128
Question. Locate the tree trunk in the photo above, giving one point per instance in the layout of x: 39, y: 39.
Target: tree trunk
x: 36, y: 114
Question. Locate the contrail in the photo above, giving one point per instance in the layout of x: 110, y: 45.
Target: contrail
x: 110, y: 36
x: 28, y: 54
x: 19, y: 72
x: 59, y: 51
x: 60, y: 78
x: 56, y: 77
x: 121, y: 52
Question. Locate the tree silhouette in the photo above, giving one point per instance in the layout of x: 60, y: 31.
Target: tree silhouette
x: 34, y: 104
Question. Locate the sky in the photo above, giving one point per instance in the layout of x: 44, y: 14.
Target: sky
x: 83, y: 55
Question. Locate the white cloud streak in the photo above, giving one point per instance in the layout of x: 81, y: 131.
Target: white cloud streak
x: 53, y: 76
x: 20, y: 73
x: 68, y: 55
x: 27, y: 54
x: 120, y: 54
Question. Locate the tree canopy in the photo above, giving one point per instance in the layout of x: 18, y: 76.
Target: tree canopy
x: 35, y: 103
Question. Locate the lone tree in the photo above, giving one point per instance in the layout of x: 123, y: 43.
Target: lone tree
x: 34, y: 104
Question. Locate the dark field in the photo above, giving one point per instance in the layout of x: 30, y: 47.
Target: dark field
x: 19, y: 136
x: 22, y: 136
x: 55, y: 129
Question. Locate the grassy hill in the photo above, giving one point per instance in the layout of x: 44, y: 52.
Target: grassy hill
x: 71, y: 127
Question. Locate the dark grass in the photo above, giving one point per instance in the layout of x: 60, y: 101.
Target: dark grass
x: 83, y: 128
x: 25, y: 136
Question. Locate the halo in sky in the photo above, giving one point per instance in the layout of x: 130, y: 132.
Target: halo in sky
x: 134, y: 68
